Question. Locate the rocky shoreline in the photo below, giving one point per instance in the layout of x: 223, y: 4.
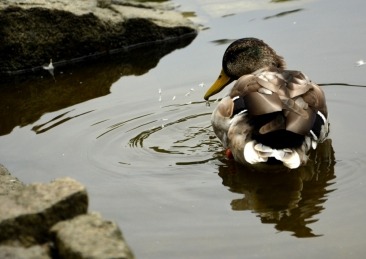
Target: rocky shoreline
x: 35, y: 31
x: 52, y: 221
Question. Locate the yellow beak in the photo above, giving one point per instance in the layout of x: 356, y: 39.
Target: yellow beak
x: 222, y: 81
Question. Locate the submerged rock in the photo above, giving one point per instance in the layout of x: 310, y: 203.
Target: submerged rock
x: 35, y: 31
x: 89, y: 236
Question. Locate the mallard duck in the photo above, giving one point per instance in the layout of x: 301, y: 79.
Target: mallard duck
x: 270, y: 114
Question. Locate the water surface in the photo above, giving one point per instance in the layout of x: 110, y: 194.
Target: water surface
x: 135, y: 130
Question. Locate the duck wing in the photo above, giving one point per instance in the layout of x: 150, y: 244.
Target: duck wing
x: 287, y: 99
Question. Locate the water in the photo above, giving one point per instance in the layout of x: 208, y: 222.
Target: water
x: 149, y: 157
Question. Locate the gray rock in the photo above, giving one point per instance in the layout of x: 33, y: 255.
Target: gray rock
x: 89, y: 236
x: 9, y: 184
x: 35, y: 31
x: 49, y: 221
x: 27, y: 216
x: 104, y: 3
x: 33, y: 252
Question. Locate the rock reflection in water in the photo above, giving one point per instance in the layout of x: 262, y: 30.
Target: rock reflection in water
x: 289, y: 199
x: 24, y: 99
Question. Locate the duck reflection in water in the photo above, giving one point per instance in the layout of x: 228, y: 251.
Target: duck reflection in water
x: 287, y: 199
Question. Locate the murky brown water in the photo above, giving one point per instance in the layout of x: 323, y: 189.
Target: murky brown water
x: 151, y: 162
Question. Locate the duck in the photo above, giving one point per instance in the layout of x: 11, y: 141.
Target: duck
x: 271, y: 115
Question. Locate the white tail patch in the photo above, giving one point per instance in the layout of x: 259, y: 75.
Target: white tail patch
x: 251, y: 155
x: 256, y: 153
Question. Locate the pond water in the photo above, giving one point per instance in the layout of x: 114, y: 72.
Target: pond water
x: 134, y: 128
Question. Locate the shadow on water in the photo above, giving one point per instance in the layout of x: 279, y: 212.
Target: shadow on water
x: 24, y: 100
x: 283, y: 14
x: 289, y: 199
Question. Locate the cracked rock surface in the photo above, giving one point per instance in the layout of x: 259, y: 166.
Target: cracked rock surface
x: 35, y: 31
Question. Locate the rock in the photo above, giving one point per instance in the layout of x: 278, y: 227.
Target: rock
x: 104, y: 3
x: 89, y: 236
x: 8, y: 184
x: 49, y: 221
x: 33, y: 252
x: 33, y: 32
x: 26, y: 216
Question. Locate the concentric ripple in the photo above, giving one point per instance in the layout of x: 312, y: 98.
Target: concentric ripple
x: 173, y: 135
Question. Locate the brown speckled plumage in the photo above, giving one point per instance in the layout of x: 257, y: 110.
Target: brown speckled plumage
x: 281, y: 106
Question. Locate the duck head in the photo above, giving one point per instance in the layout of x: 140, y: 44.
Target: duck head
x: 242, y: 57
